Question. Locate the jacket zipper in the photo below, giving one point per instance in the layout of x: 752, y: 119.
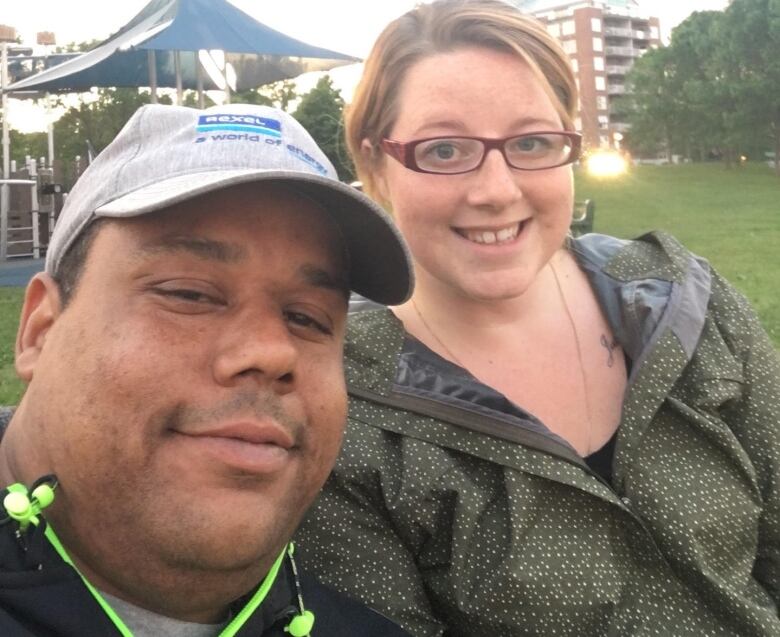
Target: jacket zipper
x: 477, y: 422
x: 497, y: 428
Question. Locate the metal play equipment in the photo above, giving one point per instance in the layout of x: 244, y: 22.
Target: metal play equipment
x: 192, y: 44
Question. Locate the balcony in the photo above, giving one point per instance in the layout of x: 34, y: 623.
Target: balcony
x: 617, y: 70
x: 618, y: 32
x: 621, y: 51
x: 616, y: 89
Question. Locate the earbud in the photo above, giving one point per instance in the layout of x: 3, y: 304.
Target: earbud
x: 43, y: 494
x: 301, y: 624
x: 24, y: 507
x: 18, y: 506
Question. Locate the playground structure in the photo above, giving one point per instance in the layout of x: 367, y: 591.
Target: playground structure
x: 181, y: 44
x: 34, y: 198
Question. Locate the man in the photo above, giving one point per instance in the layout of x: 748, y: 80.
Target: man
x: 185, y: 396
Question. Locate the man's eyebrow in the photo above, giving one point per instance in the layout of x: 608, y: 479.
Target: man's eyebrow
x: 320, y: 278
x: 198, y: 246
x: 231, y: 253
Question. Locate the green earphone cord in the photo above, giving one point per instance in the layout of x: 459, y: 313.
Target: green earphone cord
x: 229, y: 631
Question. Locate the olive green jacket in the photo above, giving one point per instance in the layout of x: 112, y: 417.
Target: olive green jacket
x: 453, y: 518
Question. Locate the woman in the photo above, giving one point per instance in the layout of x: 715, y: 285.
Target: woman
x: 554, y: 436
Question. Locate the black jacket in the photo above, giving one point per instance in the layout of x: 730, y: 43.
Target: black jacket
x: 42, y: 596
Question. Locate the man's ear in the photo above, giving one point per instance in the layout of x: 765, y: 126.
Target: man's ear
x: 42, y: 307
x: 377, y: 164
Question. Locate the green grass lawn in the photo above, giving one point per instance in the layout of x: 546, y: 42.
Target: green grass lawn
x: 732, y: 217
x: 10, y: 306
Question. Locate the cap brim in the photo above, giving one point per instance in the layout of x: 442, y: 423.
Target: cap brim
x: 380, y: 266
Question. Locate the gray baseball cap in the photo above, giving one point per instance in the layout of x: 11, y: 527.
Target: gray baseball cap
x: 168, y: 154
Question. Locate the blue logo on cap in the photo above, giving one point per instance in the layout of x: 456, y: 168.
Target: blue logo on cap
x: 239, y: 122
x: 305, y: 157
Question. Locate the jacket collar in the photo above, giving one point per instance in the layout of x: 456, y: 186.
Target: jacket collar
x: 647, y: 288
x: 653, y: 292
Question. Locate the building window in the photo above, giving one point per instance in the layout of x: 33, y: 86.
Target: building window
x: 654, y: 33
x: 598, y: 63
x: 570, y: 46
x: 575, y: 65
x: 604, y: 141
x: 568, y: 27
x: 601, y: 85
x: 595, y: 25
x: 601, y: 102
x: 554, y: 30
x: 577, y: 123
x: 598, y: 44
x: 603, y: 121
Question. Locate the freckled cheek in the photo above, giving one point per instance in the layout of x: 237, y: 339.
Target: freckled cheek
x: 553, y: 201
x: 420, y: 223
x: 420, y: 202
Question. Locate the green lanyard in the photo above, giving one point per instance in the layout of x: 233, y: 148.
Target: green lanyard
x: 229, y: 631
x: 25, y: 510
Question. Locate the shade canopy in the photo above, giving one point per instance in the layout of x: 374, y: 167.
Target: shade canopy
x: 258, y: 53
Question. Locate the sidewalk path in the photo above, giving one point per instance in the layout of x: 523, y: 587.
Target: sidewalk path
x: 17, y: 272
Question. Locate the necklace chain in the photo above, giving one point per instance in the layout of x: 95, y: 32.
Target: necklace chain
x: 574, y: 332
x: 446, y: 349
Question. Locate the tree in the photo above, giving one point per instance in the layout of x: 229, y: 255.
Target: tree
x: 652, y: 105
x: 713, y: 91
x: 77, y: 47
x: 709, y: 109
x: 278, y: 94
x: 320, y: 113
x: 750, y: 57
x: 34, y: 145
x: 281, y: 93
x: 96, y: 122
x: 250, y: 96
x: 24, y: 144
x: 191, y: 100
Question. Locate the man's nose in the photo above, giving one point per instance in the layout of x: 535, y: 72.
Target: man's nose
x: 496, y: 185
x: 259, y: 348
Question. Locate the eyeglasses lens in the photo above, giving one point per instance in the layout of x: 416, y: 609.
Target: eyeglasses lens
x: 455, y: 154
x: 462, y: 154
x: 537, y: 151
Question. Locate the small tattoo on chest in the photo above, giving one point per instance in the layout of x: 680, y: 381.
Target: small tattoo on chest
x: 610, y: 347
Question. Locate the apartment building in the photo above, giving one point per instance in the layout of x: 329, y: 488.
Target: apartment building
x: 603, y: 39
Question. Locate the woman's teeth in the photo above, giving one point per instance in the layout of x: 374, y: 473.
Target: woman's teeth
x: 487, y: 236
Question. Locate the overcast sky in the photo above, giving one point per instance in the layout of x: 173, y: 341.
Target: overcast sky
x: 348, y: 26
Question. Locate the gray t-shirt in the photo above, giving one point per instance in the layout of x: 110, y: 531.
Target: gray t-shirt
x: 144, y: 623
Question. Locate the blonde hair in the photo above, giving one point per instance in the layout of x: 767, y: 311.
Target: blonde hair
x: 439, y: 27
